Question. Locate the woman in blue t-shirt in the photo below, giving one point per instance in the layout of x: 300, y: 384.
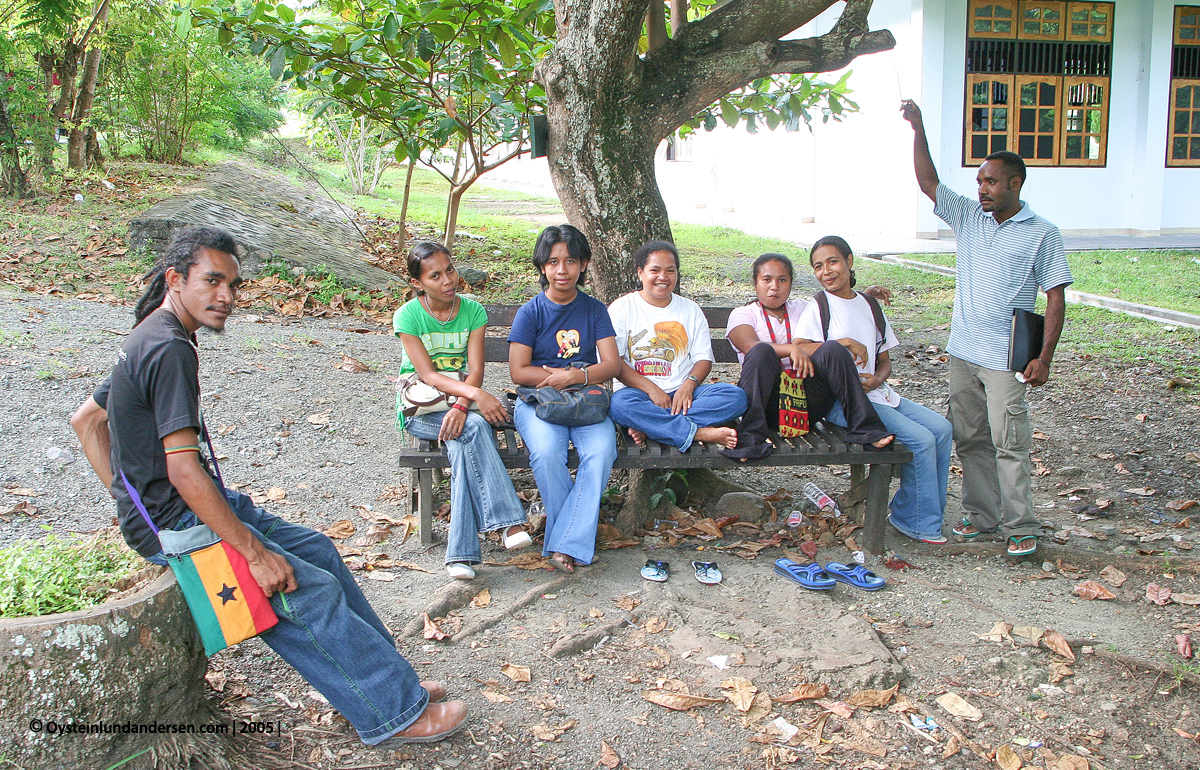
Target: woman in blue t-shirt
x: 442, y: 334
x: 560, y: 338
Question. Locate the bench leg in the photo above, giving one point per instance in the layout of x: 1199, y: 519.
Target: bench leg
x: 878, y: 480
x: 423, y: 489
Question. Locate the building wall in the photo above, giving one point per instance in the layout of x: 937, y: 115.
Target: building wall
x: 855, y: 177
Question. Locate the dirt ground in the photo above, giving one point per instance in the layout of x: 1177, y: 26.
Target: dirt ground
x: 317, y: 441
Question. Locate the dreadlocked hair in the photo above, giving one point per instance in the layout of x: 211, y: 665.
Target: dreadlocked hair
x: 182, y: 252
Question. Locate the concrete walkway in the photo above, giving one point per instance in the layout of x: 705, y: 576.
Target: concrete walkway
x: 873, y: 244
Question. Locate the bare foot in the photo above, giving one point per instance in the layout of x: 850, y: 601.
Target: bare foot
x: 726, y: 437
x: 638, y: 437
x: 562, y: 562
x: 881, y: 443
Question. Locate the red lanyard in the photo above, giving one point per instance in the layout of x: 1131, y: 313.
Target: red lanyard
x: 787, y: 320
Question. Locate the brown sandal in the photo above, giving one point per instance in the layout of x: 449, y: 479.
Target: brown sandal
x: 563, y: 563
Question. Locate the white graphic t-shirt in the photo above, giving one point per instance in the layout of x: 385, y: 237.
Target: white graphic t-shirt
x: 852, y: 318
x: 661, y: 343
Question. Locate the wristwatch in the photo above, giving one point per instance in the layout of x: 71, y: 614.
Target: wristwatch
x: 692, y: 377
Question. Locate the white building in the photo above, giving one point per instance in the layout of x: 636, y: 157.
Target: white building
x: 1101, y: 98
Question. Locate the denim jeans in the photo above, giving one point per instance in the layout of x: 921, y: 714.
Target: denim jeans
x: 712, y: 404
x: 572, y: 507
x: 919, y: 506
x: 482, y: 498
x: 328, y: 632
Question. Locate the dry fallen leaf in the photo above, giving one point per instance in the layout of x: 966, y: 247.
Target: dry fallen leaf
x: 276, y: 494
x: 495, y: 697
x: 1055, y: 641
x: 627, y: 603
x: 955, y: 705
x: 1090, y: 589
x: 530, y: 560
x: 843, y: 710
x: 411, y: 566
x: 678, y: 701
x: 24, y: 492
x: 1181, y: 505
x: 482, y: 599
x: 340, y: 530
x: 1070, y: 762
x: 595, y: 613
x: 1192, y: 600
x: 806, y: 691
x: 515, y: 673
x: 432, y: 631
x: 320, y: 418
x: 1183, y: 644
x: 872, y: 698
x: 951, y: 748
x: 655, y: 625
x: 1032, y: 633
x: 547, y: 733
x: 1008, y: 759
x: 999, y: 633
x: 740, y: 691
x: 1142, y: 491
x: 1059, y: 671
x: 1113, y: 575
x: 759, y: 708
x: 353, y: 365
x: 608, y: 757
x: 809, y: 549
x: 1157, y: 594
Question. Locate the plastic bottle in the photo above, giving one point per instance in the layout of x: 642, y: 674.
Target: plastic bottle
x: 818, y: 498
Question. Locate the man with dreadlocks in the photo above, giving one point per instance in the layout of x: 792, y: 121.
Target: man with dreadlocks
x: 144, y: 424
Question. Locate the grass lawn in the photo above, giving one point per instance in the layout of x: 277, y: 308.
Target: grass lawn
x: 1167, y: 279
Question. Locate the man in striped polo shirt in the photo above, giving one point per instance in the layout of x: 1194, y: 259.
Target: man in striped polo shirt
x: 1005, y: 252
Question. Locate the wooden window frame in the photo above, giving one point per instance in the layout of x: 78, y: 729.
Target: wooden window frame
x: 1058, y: 5
x: 1180, y: 10
x: 1171, y: 135
x: 1089, y: 38
x: 1011, y: 5
x: 972, y: 80
x: 1014, y: 145
x: 1068, y: 82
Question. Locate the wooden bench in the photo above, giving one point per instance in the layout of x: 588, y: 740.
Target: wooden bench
x: 825, y: 444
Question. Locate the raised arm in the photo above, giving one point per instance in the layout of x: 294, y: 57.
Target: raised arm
x: 927, y: 176
x: 90, y: 422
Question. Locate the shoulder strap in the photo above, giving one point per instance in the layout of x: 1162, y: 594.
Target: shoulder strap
x: 823, y: 305
x: 880, y: 321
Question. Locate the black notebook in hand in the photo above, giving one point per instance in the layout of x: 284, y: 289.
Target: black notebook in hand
x: 1025, y: 340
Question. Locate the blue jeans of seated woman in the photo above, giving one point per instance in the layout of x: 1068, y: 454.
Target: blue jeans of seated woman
x: 328, y: 632
x: 482, y: 498
x: 918, y: 509
x: 572, y: 506
x: 712, y: 404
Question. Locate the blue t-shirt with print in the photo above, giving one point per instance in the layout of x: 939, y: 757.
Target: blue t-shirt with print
x: 561, y: 335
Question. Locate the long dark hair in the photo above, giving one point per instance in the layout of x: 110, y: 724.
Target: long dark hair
x: 424, y: 250
x: 577, y: 248
x: 182, y: 252
x: 839, y: 243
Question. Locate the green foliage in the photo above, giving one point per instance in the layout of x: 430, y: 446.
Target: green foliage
x: 60, y: 574
x: 163, y: 93
x: 780, y: 100
x: 665, y: 491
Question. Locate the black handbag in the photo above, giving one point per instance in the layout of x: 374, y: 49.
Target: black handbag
x: 572, y: 407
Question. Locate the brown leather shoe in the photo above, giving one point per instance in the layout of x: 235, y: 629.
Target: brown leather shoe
x: 436, y: 690
x: 437, y: 721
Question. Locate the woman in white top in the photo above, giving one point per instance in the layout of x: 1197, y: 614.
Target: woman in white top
x: 919, y: 506
x: 666, y: 352
x: 763, y: 334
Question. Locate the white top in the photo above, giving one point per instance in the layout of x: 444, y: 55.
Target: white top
x: 660, y: 343
x: 1000, y: 267
x: 852, y: 318
x: 752, y: 315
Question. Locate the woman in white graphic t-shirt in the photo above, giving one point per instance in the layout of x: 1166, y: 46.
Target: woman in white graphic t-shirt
x: 919, y: 506
x: 666, y: 353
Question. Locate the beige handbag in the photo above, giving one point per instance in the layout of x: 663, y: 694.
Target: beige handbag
x: 417, y: 398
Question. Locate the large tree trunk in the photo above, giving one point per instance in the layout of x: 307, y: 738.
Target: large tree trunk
x: 402, y: 234
x: 13, y: 179
x: 77, y: 144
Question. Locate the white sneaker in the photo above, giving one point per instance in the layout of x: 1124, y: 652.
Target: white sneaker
x: 519, y: 540
x: 460, y: 571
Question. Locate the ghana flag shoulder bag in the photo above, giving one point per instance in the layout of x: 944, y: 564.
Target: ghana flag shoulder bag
x: 227, y: 604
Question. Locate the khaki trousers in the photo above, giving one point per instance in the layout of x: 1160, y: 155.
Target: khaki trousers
x: 992, y: 435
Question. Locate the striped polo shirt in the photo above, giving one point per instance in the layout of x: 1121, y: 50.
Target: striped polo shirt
x: 1000, y: 267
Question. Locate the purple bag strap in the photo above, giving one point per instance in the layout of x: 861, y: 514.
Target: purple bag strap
x: 137, y: 499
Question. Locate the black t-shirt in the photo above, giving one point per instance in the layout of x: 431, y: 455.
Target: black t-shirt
x: 154, y: 390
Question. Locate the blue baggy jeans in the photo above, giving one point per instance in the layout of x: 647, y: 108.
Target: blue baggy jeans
x: 712, y: 404
x: 328, y: 632
x: 572, y: 506
x: 919, y: 505
x: 482, y: 498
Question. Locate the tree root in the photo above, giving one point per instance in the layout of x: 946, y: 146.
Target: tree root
x: 453, y: 596
x: 576, y: 643
x: 1079, y: 557
x: 526, y: 599
x: 1147, y: 665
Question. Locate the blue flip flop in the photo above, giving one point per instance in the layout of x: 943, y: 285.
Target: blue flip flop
x: 810, y: 576
x: 857, y: 576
